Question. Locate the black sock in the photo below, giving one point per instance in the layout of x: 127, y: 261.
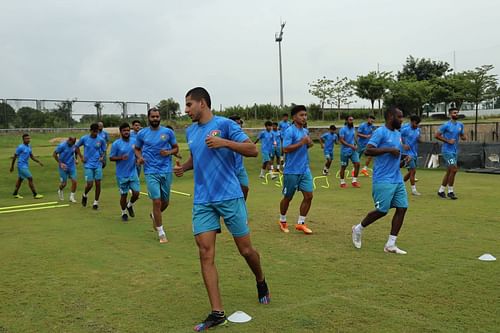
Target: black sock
x: 218, y: 314
x: 15, y: 192
x: 34, y: 194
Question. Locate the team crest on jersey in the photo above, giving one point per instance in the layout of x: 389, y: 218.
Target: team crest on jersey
x: 215, y: 133
x: 163, y: 137
x: 98, y: 144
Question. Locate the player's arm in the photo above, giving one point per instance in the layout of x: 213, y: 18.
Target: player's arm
x: 361, y: 135
x: 36, y: 159
x: 56, y: 156
x: 246, y: 148
x: 14, y: 158
x: 173, y: 151
x: 371, y: 150
x: 441, y: 138
x: 138, y: 155
x: 322, y: 142
x: 180, y: 169
x: 342, y: 141
x: 306, y: 140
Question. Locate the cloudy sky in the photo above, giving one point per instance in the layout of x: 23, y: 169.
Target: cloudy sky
x: 154, y: 49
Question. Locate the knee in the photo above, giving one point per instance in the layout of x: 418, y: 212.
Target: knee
x: 308, y: 196
x: 206, y: 254
x: 248, y: 252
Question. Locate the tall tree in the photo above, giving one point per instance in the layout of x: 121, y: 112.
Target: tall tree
x: 7, y: 115
x: 422, y: 69
x: 482, y: 87
x: 450, y: 89
x: 169, y: 108
x: 322, y: 89
x: 409, y: 95
x: 340, y: 93
x: 372, y: 86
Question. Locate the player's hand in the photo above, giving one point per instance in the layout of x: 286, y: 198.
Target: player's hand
x: 451, y: 141
x: 394, y: 152
x: 63, y: 166
x: 215, y: 142
x: 354, y: 147
x: 76, y: 161
x: 164, y: 152
x: 140, y: 160
x: 11, y: 169
x: 306, y: 140
x: 41, y: 164
x: 406, y: 147
x: 124, y: 157
x: 178, y: 170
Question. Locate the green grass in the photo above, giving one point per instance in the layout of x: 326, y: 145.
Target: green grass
x: 77, y: 270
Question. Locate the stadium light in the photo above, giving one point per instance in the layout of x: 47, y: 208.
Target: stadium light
x: 278, y: 38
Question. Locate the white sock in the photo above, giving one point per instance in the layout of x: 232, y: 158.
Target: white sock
x: 124, y: 212
x: 342, y: 181
x: 359, y: 228
x: 96, y: 202
x: 441, y: 189
x: 414, y: 188
x: 72, y: 195
x: 130, y: 204
x: 302, y: 220
x: 85, y: 194
x: 262, y: 172
x: 450, y: 189
x: 277, y: 167
x: 391, y: 241
x: 282, y: 218
x: 354, y: 179
x: 272, y: 167
x: 160, y: 231
x: 365, y: 168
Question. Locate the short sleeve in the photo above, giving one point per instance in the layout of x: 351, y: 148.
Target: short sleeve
x: 172, y: 138
x: 235, y: 133
x: 376, y: 138
x: 80, y: 142
x: 342, y: 132
x: 114, y: 149
x: 443, y: 128
x: 139, y: 140
x: 287, y: 138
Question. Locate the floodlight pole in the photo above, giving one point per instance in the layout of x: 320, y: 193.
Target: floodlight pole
x: 278, y: 38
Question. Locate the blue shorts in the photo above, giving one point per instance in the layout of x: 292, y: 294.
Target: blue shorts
x: 412, y: 164
x: 344, y: 158
x: 328, y: 155
x: 266, y: 156
x: 276, y: 152
x: 387, y: 196
x: 128, y: 183
x: 206, y: 217
x: 159, y: 186
x: 293, y: 183
x: 24, y: 173
x: 450, y: 159
x: 93, y: 174
x: 242, y: 177
x: 68, y: 173
x: 361, y: 150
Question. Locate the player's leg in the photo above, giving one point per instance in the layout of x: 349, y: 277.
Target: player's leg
x: 33, y: 189
x: 97, y: 193
x: 73, y: 186
x: 305, y: 185
x: 89, y: 179
x: 123, y: 205
x: 355, y: 162
x: 400, y: 202
x: 344, y: 162
x: 290, y: 184
x: 328, y: 163
x: 19, y: 181
x: 63, y: 178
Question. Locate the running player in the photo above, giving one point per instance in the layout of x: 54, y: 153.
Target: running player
x: 153, y: 147
x: 284, y: 123
x: 410, y: 136
x: 348, y: 152
x: 213, y: 141
x: 136, y: 127
x: 64, y: 154
x: 240, y: 170
x: 22, y: 155
x: 123, y: 153
x: 364, y: 134
x: 266, y: 148
x: 297, y: 175
x: 276, y: 153
x: 105, y: 136
x: 388, y: 188
x: 94, y: 152
x: 450, y: 133
x: 327, y: 141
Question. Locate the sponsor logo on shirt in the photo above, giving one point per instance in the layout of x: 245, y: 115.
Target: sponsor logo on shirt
x: 214, y: 133
x: 163, y: 137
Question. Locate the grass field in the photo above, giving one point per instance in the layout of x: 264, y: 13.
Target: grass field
x: 78, y: 270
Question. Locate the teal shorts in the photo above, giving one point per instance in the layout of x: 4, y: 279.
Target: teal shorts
x: 128, y: 183
x: 344, y: 158
x: 412, y: 164
x: 387, y: 196
x: 93, y: 174
x: 293, y: 183
x: 68, y: 173
x: 24, y: 173
x: 450, y: 159
x: 206, y: 217
x: 328, y: 155
x: 276, y: 153
x: 242, y: 177
x: 159, y: 186
x: 266, y: 156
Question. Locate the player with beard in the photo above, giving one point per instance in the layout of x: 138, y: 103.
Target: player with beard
x: 388, y: 187
x: 348, y: 152
x: 153, y: 147
x: 450, y: 133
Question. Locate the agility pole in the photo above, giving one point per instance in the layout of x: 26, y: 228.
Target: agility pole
x: 29, y: 205
x: 33, y: 208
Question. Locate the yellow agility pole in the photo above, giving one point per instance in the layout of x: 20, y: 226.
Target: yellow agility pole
x: 29, y: 205
x: 33, y: 208
x: 173, y: 191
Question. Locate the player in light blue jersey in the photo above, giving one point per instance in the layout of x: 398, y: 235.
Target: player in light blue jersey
x: 94, y: 150
x: 296, y: 173
x: 388, y: 188
x: 64, y: 154
x: 153, y: 148
x: 105, y: 136
x: 364, y: 134
x: 276, y: 153
x: 284, y: 123
x: 22, y: 155
x: 348, y: 152
x: 450, y: 133
x: 266, y: 138
x: 136, y: 127
x: 240, y: 170
x: 123, y: 153
x: 327, y: 141
x: 212, y: 142
x: 410, y: 136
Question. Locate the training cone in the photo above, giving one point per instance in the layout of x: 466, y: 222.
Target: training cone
x: 239, y: 317
x: 487, y: 257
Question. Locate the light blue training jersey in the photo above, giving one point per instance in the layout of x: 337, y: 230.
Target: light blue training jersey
x: 451, y: 130
x: 276, y: 139
x: 23, y: 153
x: 214, y: 168
x: 94, y: 148
x: 297, y: 161
x: 386, y: 166
x: 152, y: 142
x: 266, y: 141
x: 124, y: 168
x: 283, y: 125
x: 66, y: 154
x: 348, y: 134
x: 366, y: 129
x: 410, y: 136
x: 329, y: 140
